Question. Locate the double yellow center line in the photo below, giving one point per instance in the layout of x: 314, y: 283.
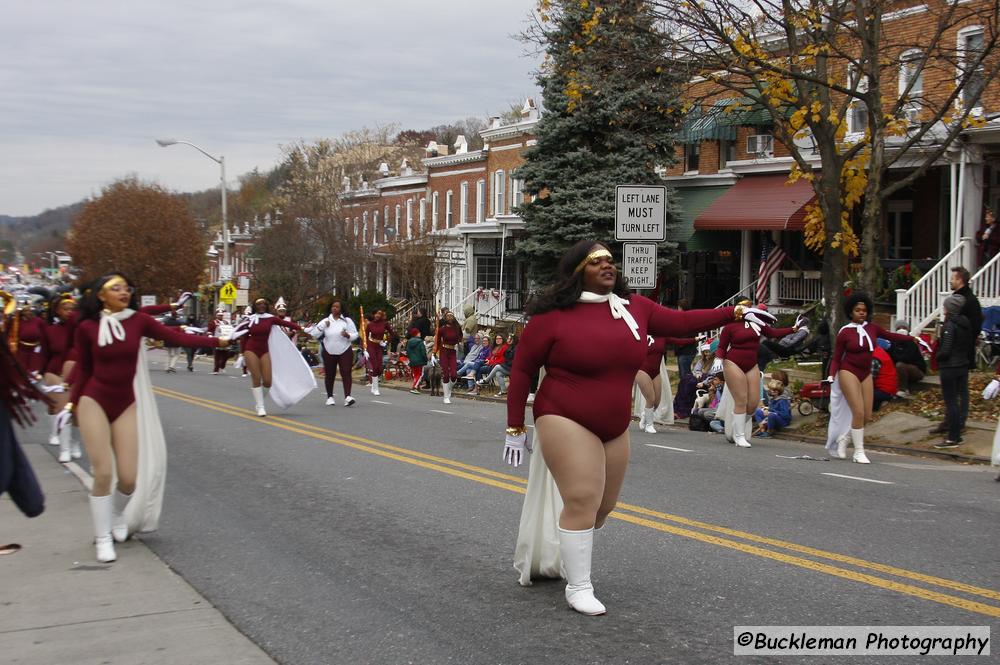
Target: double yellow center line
x: 830, y: 563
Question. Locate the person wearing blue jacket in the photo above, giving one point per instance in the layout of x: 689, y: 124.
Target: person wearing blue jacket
x: 777, y: 413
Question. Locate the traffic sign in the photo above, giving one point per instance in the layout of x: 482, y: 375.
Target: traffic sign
x: 640, y: 212
x: 227, y: 293
x: 147, y: 301
x: 639, y: 265
x: 226, y: 272
x: 242, y: 298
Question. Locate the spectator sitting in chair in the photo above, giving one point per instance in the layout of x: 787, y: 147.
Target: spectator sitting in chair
x: 909, y: 361
x: 709, y: 393
x: 502, y: 370
x: 495, y: 358
x: 474, y: 359
x: 770, y: 349
x: 704, y: 362
x: 776, y: 414
x: 884, y: 377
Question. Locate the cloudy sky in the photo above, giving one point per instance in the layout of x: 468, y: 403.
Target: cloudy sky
x: 86, y: 87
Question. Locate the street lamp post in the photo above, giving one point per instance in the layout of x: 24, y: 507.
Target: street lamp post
x: 221, y: 161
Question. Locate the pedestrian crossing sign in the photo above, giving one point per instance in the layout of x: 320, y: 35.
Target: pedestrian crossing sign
x: 227, y: 293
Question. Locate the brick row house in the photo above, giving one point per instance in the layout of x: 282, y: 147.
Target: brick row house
x: 731, y: 184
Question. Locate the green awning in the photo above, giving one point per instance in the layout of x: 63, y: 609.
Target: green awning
x: 691, y: 201
x: 719, y: 121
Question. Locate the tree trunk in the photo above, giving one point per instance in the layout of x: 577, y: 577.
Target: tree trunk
x: 833, y: 257
x: 871, y: 218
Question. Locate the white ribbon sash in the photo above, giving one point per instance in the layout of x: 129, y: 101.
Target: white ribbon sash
x: 110, y: 328
x: 617, y: 305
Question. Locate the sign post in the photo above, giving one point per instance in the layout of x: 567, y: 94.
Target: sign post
x: 640, y: 222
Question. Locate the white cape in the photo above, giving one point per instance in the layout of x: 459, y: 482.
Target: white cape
x: 664, y: 414
x: 536, y: 554
x: 143, y: 511
x: 724, y: 412
x: 291, y: 377
x: 995, y: 457
x: 840, y: 416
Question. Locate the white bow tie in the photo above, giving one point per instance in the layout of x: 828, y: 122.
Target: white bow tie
x: 863, y: 336
x: 110, y: 328
x: 618, y: 309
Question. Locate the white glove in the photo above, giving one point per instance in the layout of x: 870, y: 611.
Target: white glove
x: 992, y: 389
x: 514, y: 447
x: 759, y: 316
x: 366, y: 355
x: 64, y: 418
x: 239, y: 332
x: 183, y: 299
x: 433, y: 362
x: 925, y: 345
x: 383, y: 344
x: 52, y: 389
x: 192, y: 330
x: 716, y: 366
x: 828, y: 379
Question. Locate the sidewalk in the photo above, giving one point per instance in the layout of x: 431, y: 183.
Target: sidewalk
x: 61, y: 606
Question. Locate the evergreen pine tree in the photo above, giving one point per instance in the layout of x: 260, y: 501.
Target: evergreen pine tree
x: 611, y: 107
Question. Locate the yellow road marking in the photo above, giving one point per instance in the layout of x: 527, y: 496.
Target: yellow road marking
x: 474, y: 473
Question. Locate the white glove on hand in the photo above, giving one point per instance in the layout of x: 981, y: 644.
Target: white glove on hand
x: 183, y: 299
x: 716, y: 366
x: 192, y: 330
x: 759, y: 316
x: 239, y: 332
x: 992, y: 389
x: 64, y: 418
x: 52, y: 389
x: 367, y: 357
x: 514, y: 447
x: 925, y: 345
x: 828, y: 379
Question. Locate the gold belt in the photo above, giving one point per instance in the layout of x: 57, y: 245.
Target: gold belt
x: 449, y: 346
x: 21, y: 341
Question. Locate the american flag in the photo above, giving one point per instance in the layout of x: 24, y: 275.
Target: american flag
x: 771, y: 259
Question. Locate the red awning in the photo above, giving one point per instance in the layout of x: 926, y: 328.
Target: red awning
x: 759, y: 203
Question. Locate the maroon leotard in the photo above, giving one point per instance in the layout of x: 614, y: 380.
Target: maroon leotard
x: 31, y: 344
x: 739, y: 342
x: 256, y: 338
x: 451, y: 335
x: 105, y: 373
x: 851, y: 356
x: 59, y: 344
x: 591, y: 360
x: 378, y: 332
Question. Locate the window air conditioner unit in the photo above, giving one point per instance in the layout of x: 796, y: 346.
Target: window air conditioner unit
x: 760, y: 144
x: 912, y: 112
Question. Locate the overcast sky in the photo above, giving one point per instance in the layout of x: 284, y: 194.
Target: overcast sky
x: 86, y: 87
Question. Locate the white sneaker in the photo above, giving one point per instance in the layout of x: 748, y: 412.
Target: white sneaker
x: 261, y: 411
x: 54, y: 440
x: 349, y: 401
x: 649, y: 429
x: 64, y: 456
x: 331, y: 402
x: 74, y: 450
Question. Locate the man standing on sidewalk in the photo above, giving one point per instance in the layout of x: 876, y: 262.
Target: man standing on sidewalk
x: 973, y: 313
x: 953, y: 368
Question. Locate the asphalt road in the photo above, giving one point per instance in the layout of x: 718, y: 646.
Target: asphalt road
x: 383, y: 533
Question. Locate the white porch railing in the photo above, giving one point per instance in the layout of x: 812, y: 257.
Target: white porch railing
x: 921, y: 303
x: 986, y: 283
x: 803, y: 286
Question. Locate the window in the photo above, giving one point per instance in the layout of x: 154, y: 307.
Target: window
x: 357, y: 227
x: 463, y: 203
x: 364, y: 228
x: 448, y: 209
x: 398, y: 215
x: 480, y: 200
x: 911, y: 76
x: 386, y: 220
x: 423, y: 215
x: 970, y: 46
x: 899, y: 231
x: 409, y: 217
x: 516, y: 192
x: 857, y: 110
x: 692, y: 154
x: 727, y: 152
x: 378, y: 238
x: 434, y: 211
x: 499, y: 195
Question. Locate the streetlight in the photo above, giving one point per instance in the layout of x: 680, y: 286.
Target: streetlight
x: 221, y: 161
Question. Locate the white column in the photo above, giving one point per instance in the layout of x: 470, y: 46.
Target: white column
x: 772, y: 292
x: 746, y: 246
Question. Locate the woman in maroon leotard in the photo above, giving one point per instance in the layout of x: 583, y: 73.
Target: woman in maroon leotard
x: 108, y: 342
x: 379, y: 331
x: 446, y: 340
x: 648, y: 378
x: 738, y: 346
x: 28, y: 331
x: 852, y: 392
x: 255, y: 353
x: 59, y: 364
x: 589, y: 333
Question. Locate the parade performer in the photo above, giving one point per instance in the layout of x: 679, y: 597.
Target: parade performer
x: 281, y: 311
x: 990, y: 392
x: 648, y: 378
x: 336, y: 333
x: 26, y: 336
x: 736, y: 356
x: 852, y: 392
x: 589, y: 332
x: 113, y: 403
x: 377, y: 334
x: 220, y: 327
x: 269, y: 353
x: 446, y: 340
x: 59, y: 363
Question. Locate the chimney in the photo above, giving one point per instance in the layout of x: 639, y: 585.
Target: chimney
x: 461, y: 145
x: 345, y: 182
x: 404, y: 167
x: 383, y: 169
x: 431, y: 150
x: 494, y: 122
x: 529, y: 111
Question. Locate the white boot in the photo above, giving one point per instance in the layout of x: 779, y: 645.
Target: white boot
x: 447, y: 392
x: 642, y: 420
x: 65, y: 452
x: 648, y: 416
x: 577, y: 548
x: 100, y: 513
x: 119, y: 525
x: 54, y: 434
x: 858, y: 439
x: 842, y: 442
x: 74, y: 444
x: 748, y: 427
x: 258, y: 400
x: 740, y: 431
x: 375, y: 386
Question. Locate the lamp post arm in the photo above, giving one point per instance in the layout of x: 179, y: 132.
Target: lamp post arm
x: 217, y: 160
